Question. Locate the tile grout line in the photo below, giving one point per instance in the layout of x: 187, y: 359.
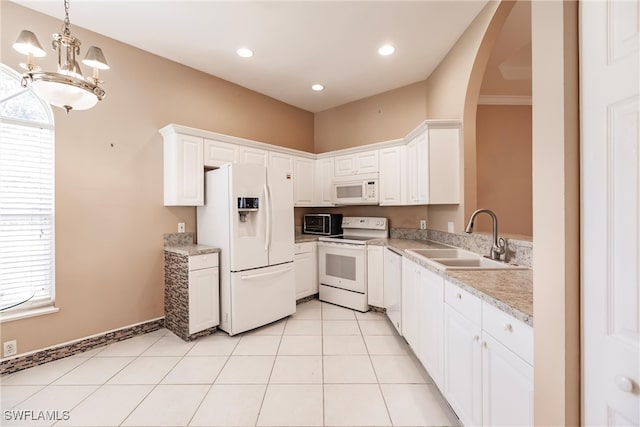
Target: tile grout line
x: 266, y: 388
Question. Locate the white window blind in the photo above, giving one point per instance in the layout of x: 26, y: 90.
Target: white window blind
x: 26, y: 199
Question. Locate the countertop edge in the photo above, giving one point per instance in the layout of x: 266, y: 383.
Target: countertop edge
x: 191, y: 250
x: 401, y: 246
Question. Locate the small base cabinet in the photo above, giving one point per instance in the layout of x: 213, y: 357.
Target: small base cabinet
x: 305, y: 266
x: 191, y: 294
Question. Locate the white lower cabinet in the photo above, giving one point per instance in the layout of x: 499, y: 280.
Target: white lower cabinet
x: 480, y: 357
x: 393, y: 287
x: 204, y: 302
x: 375, y: 276
x: 507, y: 386
x: 305, y: 265
x: 422, y: 316
x: 463, y: 366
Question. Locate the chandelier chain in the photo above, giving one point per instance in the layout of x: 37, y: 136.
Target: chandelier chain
x: 66, y: 31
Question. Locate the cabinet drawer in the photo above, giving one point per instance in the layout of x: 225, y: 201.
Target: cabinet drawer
x: 512, y: 333
x: 301, y: 248
x: 198, y: 262
x: 463, y: 302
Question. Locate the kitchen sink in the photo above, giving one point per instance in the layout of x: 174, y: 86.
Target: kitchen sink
x: 459, y: 259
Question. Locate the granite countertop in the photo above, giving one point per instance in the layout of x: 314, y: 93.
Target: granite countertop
x: 191, y: 249
x: 304, y: 238
x: 509, y: 290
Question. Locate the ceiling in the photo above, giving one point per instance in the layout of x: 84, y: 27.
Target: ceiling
x: 296, y: 43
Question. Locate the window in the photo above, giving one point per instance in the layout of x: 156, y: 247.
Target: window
x: 26, y: 200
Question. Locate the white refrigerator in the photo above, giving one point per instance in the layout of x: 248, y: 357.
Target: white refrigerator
x: 248, y: 214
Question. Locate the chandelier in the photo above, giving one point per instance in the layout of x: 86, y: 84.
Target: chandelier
x: 67, y: 88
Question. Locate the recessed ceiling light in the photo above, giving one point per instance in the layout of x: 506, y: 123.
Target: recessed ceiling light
x: 245, y: 52
x: 317, y: 87
x: 386, y: 50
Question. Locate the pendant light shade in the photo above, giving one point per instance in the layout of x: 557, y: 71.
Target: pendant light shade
x: 67, y: 87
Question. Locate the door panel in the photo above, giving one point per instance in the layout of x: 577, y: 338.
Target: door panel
x: 610, y: 196
x: 282, y: 235
x: 248, y: 238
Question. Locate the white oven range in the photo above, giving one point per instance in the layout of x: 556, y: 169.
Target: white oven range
x: 342, y: 260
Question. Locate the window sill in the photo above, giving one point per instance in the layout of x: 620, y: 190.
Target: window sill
x: 9, y: 316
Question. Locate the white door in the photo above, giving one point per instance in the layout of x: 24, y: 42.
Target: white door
x: 507, y: 383
x: 610, y: 197
x: 281, y: 228
x: 322, y: 184
x: 463, y: 367
x: 204, y: 305
x: 303, y: 180
x: 248, y: 241
x: 393, y: 287
x: 432, y: 312
x: 303, y: 264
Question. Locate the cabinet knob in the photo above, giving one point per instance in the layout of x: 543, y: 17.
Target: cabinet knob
x: 459, y: 295
x: 507, y: 327
x: 476, y: 338
x: 624, y: 383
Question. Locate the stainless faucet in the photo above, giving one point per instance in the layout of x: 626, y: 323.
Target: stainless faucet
x: 499, y: 245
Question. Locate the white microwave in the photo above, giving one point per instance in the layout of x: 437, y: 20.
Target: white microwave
x: 356, y: 190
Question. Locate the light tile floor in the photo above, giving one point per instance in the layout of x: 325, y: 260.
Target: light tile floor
x: 323, y: 366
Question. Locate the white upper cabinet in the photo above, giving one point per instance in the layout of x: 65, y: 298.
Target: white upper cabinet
x: 254, y: 156
x: 303, y: 181
x: 356, y: 163
x: 281, y: 161
x: 393, y: 176
x: 433, y: 165
x: 323, y: 178
x: 218, y: 153
x: 183, y: 169
x: 424, y: 168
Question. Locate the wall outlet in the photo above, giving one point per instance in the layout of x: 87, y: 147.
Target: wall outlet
x: 9, y: 348
x: 181, y: 227
x: 450, y: 227
x: 423, y: 224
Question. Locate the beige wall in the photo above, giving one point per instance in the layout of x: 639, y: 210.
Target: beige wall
x: 556, y: 216
x: 382, y: 117
x: 109, y: 210
x: 453, y: 90
x: 503, y: 148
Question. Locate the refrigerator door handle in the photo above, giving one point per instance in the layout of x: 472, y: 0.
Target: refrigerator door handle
x: 262, y: 275
x: 267, y: 236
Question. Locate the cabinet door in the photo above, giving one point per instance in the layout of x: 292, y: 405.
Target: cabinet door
x: 303, y: 264
x: 303, y: 181
x: 204, y: 304
x: 281, y: 161
x: 444, y: 166
x: 322, y: 184
x: 393, y: 288
x: 218, y: 153
x: 418, y: 170
x: 409, y: 305
x: 345, y: 165
x: 254, y: 156
x: 432, y: 324
x: 375, y: 276
x: 463, y: 366
x: 393, y: 176
x: 367, y: 162
x: 183, y: 171
x: 507, y: 383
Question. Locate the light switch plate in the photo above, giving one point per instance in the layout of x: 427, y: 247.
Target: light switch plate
x: 181, y: 227
x: 423, y: 224
x: 450, y: 226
